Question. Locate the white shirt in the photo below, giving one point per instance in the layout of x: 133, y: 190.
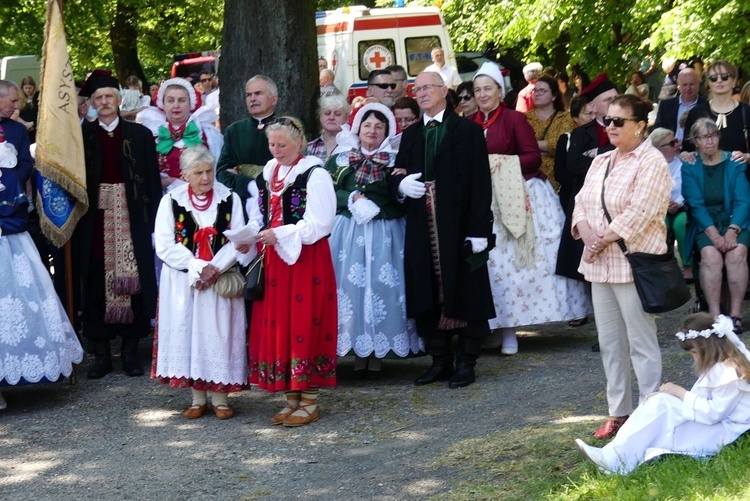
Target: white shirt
x: 449, y: 73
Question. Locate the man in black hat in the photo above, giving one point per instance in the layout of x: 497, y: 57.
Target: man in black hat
x: 112, y: 243
x: 586, y: 142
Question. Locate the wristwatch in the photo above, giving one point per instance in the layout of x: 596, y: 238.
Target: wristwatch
x: 736, y: 228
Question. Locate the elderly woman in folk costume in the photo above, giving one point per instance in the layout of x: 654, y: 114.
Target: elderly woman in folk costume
x: 37, y: 342
x: 367, y: 244
x: 199, y: 342
x: 528, y: 222
x: 177, y: 122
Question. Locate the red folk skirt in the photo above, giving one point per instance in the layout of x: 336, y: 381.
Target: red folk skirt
x: 294, y: 328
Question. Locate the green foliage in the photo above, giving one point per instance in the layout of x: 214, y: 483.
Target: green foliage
x: 607, y: 35
x: 602, y: 35
x: 164, y: 29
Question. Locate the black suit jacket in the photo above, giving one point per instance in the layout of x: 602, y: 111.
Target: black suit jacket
x: 666, y: 115
x: 463, y: 194
x: 140, y: 170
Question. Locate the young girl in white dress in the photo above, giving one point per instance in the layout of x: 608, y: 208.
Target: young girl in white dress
x: 696, y: 422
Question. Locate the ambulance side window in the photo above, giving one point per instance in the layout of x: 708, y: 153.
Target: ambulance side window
x: 375, y: 55
x: 418, y: 51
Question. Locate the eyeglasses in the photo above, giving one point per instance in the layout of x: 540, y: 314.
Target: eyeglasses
x: 464, y: 97
x: 541, y: 92
x: 715, y: 77
x: 385, y: 86
x: 671, y: 143
x: 406, y: 121
x: 425, y: 88
x: 707, y: 138
x: 287, y: 122
x: 617, y: 121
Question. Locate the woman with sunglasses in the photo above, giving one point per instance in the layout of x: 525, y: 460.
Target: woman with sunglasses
x: 717, y: 194
x: 467, y: 104
x: 549, y: 121
x: 293, y: 328
x: 632, y: 182
x: 665, y: 141
x: 731, y: 117
x: 528, y: 223
x: 368, y: 242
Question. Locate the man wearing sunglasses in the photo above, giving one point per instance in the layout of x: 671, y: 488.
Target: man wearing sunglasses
x: 381, y: 87
x: 673, y: 112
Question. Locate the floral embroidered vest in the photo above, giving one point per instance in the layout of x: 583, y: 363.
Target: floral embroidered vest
x: 185, y: 225
x: 294, y: 198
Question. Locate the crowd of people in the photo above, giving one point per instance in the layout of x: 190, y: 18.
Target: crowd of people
x: 414, y: 216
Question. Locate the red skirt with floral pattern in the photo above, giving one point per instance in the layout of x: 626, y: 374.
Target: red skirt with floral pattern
x: 294, y: 328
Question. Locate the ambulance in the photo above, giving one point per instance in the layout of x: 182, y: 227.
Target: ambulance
x: 356, y: 40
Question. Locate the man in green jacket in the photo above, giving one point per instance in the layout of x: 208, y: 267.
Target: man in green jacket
x: 245, y: 149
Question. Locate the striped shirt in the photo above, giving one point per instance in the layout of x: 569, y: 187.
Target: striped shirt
x: 637, y: 195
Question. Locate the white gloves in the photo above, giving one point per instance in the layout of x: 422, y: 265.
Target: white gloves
x: 477, y: 244
x: 410, y: 187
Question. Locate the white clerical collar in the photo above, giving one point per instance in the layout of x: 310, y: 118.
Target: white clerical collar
x: 439, y: 117
x: 110, y: 127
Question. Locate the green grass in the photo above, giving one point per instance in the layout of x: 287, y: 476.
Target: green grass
x: 541, y: 463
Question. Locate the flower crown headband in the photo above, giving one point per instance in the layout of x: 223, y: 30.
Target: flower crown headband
x: 722, y: 326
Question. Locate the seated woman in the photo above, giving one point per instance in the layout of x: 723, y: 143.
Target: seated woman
x: 718, y: 197
x: 199, y: 341
x: 367, y: 242
x: 293, y: 328
x: 696, y: 422
x: 664, y: 140
x: 37, y: 342
x: 334, y: 112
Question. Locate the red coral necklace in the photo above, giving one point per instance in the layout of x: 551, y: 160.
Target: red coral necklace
x: 200, y: 203
x: 486, y: 123
x: 277, y: 184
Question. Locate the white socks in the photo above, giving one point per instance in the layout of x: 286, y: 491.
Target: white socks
x: 199, y: 397
x: 218, y: 399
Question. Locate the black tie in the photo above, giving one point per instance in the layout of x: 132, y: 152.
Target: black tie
x: 433, y: 123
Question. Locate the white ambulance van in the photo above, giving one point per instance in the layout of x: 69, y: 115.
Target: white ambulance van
x: 357, y: 40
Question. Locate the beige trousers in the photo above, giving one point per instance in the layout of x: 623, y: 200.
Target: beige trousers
x: 627, y: 335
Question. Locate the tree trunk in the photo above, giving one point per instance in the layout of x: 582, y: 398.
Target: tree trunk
x: 124, y: 37
x: 276, y: 38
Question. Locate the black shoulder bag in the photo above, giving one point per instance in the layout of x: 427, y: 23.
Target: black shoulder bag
x: 657, y: 277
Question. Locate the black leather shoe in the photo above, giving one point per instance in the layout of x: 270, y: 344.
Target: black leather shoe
x: 131, y: 365
x: 438, y: 372
x: 463, y: 376
x: 102, y: 367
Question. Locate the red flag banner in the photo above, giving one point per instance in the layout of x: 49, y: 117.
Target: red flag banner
x: 59, y: 142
